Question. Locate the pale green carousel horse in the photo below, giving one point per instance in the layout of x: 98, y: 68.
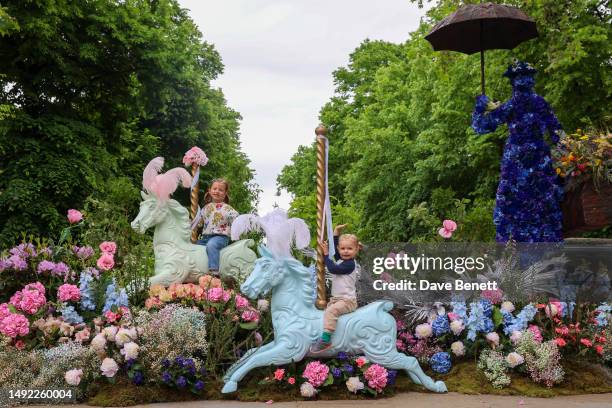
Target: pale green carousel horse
x: 177, y: 260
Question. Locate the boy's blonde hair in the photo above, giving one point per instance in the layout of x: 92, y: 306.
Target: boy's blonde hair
x: 351, y: 237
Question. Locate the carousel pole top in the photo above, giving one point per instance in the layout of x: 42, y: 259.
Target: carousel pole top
x: 321, y: 130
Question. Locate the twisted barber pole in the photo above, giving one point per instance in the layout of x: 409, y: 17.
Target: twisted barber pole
x: 195, y: 158
x: 323, y: 213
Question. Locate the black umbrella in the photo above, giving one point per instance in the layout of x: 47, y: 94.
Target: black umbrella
x: 479, y: 27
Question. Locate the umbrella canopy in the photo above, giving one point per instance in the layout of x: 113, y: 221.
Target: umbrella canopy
x: 479, y: 27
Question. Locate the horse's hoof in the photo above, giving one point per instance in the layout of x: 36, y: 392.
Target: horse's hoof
x: 440, y: 386
x: 232, y: 386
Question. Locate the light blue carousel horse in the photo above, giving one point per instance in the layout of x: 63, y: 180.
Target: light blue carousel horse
x: 369, y: 331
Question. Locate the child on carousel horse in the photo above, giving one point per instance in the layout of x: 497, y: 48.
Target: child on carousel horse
x: 345, y: 275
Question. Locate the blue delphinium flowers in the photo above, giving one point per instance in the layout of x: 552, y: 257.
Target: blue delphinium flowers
x: 529, y: 192
x: 70, y: 315
x: 520, y: 322
x: 114, y: 297
x: 87, y: 291
x: 440, y: 362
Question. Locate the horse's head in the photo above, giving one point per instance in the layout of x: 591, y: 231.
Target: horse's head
x: 267, y: 273
x: 151, y: 213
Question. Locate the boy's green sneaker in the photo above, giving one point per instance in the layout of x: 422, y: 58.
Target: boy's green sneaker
x: 320, y: 346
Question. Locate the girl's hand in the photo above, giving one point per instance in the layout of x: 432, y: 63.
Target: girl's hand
x: 492, y: 105
x: 339, y: 228
x: 325, y: 247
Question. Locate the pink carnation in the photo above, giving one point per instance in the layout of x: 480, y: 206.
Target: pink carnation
x: 14, y: 325
x: 74, y: 216
x: 227, y: 295
x: 316, y: 373
x: 241, y: 302
x: 376, y: 376
x: 106, y: 262
x: 215, y: 294
x: 195, y: 155
x: 250, y: 316
x: 67, y: 293
x: 493, y: 296
x: 108, y: 247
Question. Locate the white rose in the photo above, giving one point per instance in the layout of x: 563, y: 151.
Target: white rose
x: 73, y: 377
x: 353, y: 385
x: 458, y: 348
x: 493, y: 338
x: 307, y: 390
x: 423, y: 331
x: 109, y: 367
x: 263, y: 305
x: 110, y: 332
x: 508, y: 306
x: 99, y: 342
x: 130, y: 350
x: 514, y: 359
x: 124, y: 336
x: 516, y: 336
x: 457, y: 327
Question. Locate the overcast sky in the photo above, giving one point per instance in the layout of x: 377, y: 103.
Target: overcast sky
x: 279, y: 57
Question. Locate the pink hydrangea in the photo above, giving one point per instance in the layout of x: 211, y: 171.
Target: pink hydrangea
x: 494, y: 296
x: 74, y: 216
x: 108, y: 247
x: 35, y: 286
x: 29, y: 300
x: 215, y: 294
x: 241, y: 302
x: 14, y: 325
x: 67, y: 293
x: 4, y: 311
x: 316, y: 373
x: 250, y: 316
x: 537, y: 335
x: 376, y: 376
x: 195, y: 155
x: 106, y: 262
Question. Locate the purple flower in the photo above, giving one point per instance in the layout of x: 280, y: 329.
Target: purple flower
x: 5, y: 264
x: 336, y: 372
x: 199, y: 385
x: 165, y: 363
x: 18, y: 263
x: 181, y: 382
x: 138, y: 378
x: 61, y: 269
x: 348, y: 369
x: 45, y: 266
x: 391, y: 376
x: 166, y: 377
x: 342, y: 356
x: 83, y: 252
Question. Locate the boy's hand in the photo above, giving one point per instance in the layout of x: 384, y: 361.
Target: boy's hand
x: 339, y: 228
x: 325, y: 247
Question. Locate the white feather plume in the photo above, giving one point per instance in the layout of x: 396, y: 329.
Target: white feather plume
x: 300, y: 232
x: 245, y: 223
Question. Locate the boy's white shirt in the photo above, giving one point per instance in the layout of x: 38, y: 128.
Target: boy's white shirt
x: 343, y: 286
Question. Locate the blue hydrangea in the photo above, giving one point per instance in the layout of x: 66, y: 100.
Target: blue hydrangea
x: 87, y: 291
x: 603, y: 312
x: 487, y: 307
x: 115, y: 297
x: 460, y: 309
x: 440, y: 326
x: 529, y: 193
x: 475, y: 321
x: 70, y: 315
x: 440, y: 362
x: 487, y: 325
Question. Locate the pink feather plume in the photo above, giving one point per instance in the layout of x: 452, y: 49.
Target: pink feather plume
x: 163, y: 185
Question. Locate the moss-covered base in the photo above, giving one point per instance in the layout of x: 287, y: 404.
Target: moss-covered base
x: 580, y: 378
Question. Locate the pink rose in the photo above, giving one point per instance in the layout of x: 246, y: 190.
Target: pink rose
x: 448, y: 227
x: 291, y: 380
x: 19, y: 345
x: 241, y: 302
x: 67, y: 293
x: 361, y: 361
x: 106, y: 262
x: 278, y: 374
x: 111, y: 316
x: 82, y: 335
x: 250, y: 316
x: 215, y: 294
x: 108, y: 247
x: 74, y: 216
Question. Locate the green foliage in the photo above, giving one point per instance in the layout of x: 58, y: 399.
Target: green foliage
x: 399, y: 121
x: 90, y: 92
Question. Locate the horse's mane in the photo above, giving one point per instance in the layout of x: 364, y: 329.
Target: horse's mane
x: 181, y: 215
x: 305, y: 276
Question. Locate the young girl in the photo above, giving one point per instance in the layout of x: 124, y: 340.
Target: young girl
x: 217, y: 217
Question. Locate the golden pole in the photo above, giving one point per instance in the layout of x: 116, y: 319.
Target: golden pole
x: 194, y: 201
x: 320, y: 131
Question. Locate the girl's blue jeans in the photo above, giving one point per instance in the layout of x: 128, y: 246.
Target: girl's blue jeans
x: 214, y: 245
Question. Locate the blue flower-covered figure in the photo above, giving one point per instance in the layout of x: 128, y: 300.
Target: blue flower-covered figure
x: 529, y: 192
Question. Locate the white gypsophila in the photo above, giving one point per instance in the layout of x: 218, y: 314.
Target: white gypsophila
x: 457, y: 327
x: 109, y: 367
x: 514, y: 359
x: 458, y: 348
x: 307, y: 390
x: 263, y: 305
x: 508, y: 306
x: 354, y: 385
x: 73, y: 377
x: 18, y: 369
x: 110, y: 332
x: 130, y: 350
x: 423, y: 331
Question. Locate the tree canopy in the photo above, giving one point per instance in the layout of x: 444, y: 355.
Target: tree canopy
x: 91, y: 91
x: 402, y: 151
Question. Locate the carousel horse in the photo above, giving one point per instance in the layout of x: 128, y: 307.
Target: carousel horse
x: 370, y: 330
x: 177, y: 260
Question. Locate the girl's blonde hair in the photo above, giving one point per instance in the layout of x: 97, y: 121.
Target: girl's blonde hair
x: 208, y: 197
x: 351, y: 237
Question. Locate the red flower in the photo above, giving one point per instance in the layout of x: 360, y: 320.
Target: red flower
x: 599, y: 349
x: 560, y: 342
x: 586, y: 342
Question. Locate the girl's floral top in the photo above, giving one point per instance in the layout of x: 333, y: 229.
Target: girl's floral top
x: 217, y: 218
